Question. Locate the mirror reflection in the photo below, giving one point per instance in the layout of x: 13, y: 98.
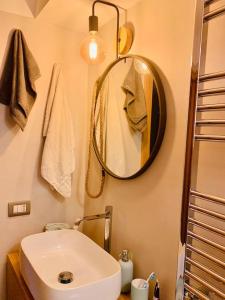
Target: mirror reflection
x: 129, y: 117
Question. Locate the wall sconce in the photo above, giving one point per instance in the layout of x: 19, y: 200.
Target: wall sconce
x: 92, y: 48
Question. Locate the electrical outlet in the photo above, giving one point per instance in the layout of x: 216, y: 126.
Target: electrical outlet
x: 18, y: 208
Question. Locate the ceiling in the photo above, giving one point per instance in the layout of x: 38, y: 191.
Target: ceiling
x: 27, y: 8
x: 72, y: 16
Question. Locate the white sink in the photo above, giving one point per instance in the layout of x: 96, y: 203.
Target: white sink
x: 43, y: 256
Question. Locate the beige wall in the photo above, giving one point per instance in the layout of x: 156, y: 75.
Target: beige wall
x: 20, y: 151
x: 147, y: 209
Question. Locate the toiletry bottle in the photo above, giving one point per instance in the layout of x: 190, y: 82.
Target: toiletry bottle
x: 126, y: 271
x: 187, y: 296
x: 152, y: 282
x: 157, y: 292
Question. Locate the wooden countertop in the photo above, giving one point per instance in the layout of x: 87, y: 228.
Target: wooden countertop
x: 16, y: 287
x: 124, y: 297
x: 14, y: 279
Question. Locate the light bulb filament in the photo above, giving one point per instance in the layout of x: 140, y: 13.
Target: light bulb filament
x: 93, y: 50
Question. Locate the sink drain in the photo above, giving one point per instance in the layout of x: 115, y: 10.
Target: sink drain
x: 65, y: 277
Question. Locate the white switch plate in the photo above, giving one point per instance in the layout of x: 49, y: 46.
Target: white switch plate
x: 18, y: 208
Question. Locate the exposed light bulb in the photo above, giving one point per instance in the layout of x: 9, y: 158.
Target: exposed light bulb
x: 92, y: 50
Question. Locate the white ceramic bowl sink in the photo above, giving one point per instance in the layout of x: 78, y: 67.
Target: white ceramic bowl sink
x: 43, y: 256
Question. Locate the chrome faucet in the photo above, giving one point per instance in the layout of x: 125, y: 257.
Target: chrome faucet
x: 108, y: 225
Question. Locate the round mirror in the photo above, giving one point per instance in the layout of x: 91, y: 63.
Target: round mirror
x: 129, y: 117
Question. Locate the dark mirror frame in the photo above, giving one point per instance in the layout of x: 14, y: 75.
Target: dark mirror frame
x: 162, y: 115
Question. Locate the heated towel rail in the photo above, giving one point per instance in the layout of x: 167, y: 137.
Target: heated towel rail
x: 204, y: 270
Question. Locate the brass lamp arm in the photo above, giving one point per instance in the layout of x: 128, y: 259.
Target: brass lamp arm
x: 118, y: 20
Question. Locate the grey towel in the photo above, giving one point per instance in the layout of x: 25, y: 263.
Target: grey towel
x: 135, y: 105
x: 17, y: 88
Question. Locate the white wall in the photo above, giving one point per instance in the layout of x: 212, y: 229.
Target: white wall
x: 147, y: 210
x: 20, y: 151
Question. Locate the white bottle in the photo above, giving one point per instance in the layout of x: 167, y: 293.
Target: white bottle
x: 126, y: 271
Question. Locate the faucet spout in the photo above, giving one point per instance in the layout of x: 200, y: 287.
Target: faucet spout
x: 108, y: 225
x: 90, y: 218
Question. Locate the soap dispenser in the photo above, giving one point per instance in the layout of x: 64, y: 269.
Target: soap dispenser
x: 126, y: 271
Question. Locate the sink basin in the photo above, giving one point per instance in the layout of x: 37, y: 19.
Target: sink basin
x: 43, y: 256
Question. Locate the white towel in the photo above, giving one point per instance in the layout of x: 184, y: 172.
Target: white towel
x: 58, y: 159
